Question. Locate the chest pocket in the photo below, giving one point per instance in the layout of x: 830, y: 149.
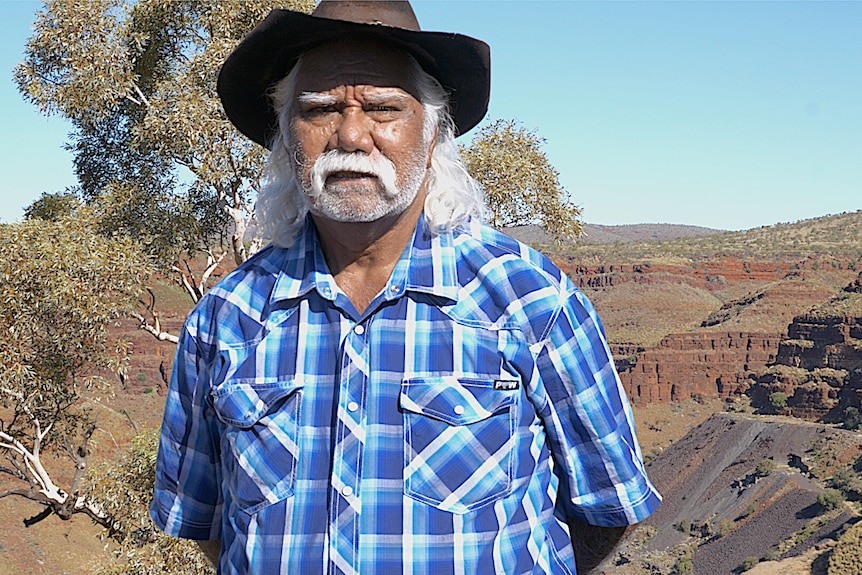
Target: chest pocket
x: 459, y: 439
x: 259, y: 444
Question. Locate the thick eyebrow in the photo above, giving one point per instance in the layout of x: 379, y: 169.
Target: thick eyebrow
x: 321, y: 99
x: 316, y: 99
x: 387, y: 98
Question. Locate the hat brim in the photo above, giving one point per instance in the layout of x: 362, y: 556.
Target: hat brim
x: 460, y: 63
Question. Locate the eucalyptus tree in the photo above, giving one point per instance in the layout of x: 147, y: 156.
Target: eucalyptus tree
x: 61, y: 286
x: 137, y: 80
x: 521, y: 185
x: 123, y: 490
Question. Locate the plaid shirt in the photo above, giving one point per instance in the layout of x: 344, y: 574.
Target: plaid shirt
x: 450, y: 428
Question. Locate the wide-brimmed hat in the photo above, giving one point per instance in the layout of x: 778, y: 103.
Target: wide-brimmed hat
x: 460, y: 63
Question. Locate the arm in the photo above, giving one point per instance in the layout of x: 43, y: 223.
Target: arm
x: 211, y: 550
x: 592, y: 544
x: 589, y: 423
x: 187, y: 496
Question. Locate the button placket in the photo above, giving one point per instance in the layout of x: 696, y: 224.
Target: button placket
x: 348, y: 452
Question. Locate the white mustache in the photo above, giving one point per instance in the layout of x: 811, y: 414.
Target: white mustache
x: 335, y: 161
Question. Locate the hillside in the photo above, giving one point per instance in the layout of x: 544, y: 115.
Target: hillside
x: 739, y: 487
x: 602, y: 234
x: 609, y: 234
x: 689, y: 316
x: 835, y: 235
x: 740, y: 317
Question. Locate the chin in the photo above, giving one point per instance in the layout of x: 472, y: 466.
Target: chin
x: 364, y: 210
x: 347, y: 213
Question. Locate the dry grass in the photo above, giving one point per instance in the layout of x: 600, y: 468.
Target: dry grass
x: 660, y: 424
x: 645, y: 313
x: 770, y: 308
x: 844, y: 304
x: 837, y: 235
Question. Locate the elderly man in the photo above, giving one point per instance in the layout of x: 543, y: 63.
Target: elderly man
x: 390, y: 386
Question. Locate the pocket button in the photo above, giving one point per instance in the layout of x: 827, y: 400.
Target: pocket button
x: 459, y: 410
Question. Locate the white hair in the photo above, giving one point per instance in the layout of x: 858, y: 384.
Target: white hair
x: 452, y: 195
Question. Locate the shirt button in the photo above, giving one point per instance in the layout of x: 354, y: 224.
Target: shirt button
x: 395, y: 289
x: 359, y: 329
x: 327, y: 292
x: 459, y: 410
x: 347, y: 491
x: 352, y: 406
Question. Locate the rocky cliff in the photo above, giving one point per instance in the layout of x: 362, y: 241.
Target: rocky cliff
x: 686, y: 330
x: 686, y: 365
x: 817, y: 373
x: 714, y: 273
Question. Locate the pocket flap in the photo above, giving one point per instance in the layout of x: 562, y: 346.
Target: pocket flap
x: 455, y: 400
x: 243, y: 403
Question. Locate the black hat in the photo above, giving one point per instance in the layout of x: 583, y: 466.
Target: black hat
x: 461, y: 64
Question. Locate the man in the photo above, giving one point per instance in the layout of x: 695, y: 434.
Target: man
x: 390, y: 386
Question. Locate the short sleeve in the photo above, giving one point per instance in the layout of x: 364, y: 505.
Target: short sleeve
x: 590, y: 423
x: 187, y: 499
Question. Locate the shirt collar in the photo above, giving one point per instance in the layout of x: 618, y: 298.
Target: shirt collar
x: 427, y: 265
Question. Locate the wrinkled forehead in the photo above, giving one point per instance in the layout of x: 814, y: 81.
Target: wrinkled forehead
x: 355, y: 62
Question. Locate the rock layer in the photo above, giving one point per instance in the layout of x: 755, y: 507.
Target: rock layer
x: 689, y: 365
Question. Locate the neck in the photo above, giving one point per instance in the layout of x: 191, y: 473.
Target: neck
x: 362, y: 255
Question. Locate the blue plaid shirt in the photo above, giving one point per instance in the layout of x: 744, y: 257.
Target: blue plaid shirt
x: 450, y: 428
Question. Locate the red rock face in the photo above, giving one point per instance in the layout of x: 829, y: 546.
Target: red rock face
x: 690, y: 364
x: 712, y: 362
x: 712, y: 273
x: 818, y: 368
x: 828, y: 342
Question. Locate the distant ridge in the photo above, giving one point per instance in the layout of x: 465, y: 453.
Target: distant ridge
x: 833, y: 235
x: 602, y: 234
x: 838, y: 234
x: 606, y: 234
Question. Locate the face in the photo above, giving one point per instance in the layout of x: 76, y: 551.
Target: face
x: 356, y: 136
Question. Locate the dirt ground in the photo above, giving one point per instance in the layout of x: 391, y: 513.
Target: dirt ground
x: 660, y: 424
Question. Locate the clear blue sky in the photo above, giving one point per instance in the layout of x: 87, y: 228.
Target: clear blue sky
x: 723, y: 114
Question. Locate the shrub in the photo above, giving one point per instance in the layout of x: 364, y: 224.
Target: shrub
x: 683, y: 526
x: 852, y: 419
x: 830, y: 499
x: 749, y: 563
x: 764, y: 467
x: 846, y: 557
x: 847, y: 482
x: 772, y: 555
x: 684, y: 565
x: 725, y: 527
x: 778, y: 401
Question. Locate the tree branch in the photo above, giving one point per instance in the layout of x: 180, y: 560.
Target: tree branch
x: 213, y: 263
x: 44, y: 514
x: 34, y: 467
x: 81, y: 457
x: 155, y: 329
x: 187, y: 278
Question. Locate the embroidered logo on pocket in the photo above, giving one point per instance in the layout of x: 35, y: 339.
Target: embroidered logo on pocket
x: 505, y: 384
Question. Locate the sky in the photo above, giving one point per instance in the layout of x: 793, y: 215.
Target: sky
x: 729, y: 115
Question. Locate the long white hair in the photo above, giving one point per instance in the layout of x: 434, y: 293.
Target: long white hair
x: 452, y: 195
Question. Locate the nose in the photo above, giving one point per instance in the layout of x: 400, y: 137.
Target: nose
x: 354, y: 132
